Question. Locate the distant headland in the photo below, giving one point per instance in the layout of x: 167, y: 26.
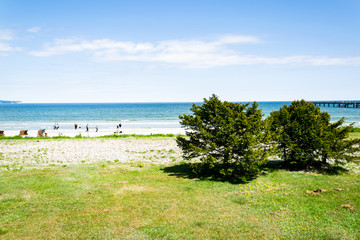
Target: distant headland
x: 3, y: 101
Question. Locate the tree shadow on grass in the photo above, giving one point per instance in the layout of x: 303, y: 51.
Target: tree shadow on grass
x: 183, y: 170
x: 186, y: 170
x: 328, y: 169
x: 318, y: 167
x: 272, y: 165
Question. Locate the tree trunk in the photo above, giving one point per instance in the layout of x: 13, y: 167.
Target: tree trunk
x: 324, y: 157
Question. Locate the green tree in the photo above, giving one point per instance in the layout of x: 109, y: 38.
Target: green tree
x: 337, y: 147
x: 305, y: 137
x: 225, y: 138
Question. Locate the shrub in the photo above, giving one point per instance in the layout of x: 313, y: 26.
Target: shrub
x: 305, y: 137
x: 226, y: 138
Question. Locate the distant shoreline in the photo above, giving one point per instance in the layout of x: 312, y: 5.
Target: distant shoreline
x: 9, y: 102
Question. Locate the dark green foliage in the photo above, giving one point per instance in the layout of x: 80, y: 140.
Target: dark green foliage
x: 336, y: 144
x: 305, y: 137
x: 227, y: 138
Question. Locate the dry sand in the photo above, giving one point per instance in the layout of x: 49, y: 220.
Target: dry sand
x: 38, y: 153
x: 101, y: 132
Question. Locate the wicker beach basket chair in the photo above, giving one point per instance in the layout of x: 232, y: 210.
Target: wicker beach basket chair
x: 23, y: 132
x: 41, y: 133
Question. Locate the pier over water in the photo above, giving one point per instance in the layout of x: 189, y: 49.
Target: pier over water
x: 340, y: 104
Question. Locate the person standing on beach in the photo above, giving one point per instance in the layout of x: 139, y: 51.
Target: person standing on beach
x: 79, y: 125
x: 87, y: 127
x: 97, y: 128
x: 75, y: 126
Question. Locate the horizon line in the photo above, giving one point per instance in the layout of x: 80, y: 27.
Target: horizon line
x: 20, y: 102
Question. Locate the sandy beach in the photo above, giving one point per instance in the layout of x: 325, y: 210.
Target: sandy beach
x: 39, y: 153
x: 101, y: 132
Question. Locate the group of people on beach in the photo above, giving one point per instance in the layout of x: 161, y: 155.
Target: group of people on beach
x: 78, y: 126
x: 56, y: 126
x: 87, y: 127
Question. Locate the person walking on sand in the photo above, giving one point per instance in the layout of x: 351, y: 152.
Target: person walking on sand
x: 87, y: 127
x: 75, y: 126
x: 97, y: 128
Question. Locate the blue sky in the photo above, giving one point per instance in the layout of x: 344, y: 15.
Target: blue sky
x: 179, y: 51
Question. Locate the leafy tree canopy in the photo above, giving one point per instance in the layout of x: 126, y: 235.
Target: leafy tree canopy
x: 305, y: 137
x: 228, y: 139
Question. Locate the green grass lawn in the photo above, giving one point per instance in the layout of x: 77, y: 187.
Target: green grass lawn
x: 116, y: 201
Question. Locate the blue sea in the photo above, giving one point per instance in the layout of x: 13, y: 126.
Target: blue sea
x: 130, y: 115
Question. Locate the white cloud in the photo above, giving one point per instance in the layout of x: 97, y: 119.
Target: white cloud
x: 5, y: 47
x: 34, y: 29
x: 5, y: 35
x: 233, y: 39
x: 189, y: 54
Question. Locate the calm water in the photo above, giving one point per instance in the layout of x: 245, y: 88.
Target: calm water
x: 131, y: 115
